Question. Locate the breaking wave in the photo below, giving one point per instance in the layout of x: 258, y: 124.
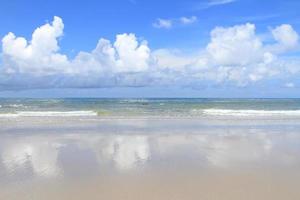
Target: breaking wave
x: 49, y: 114
x: 229, y: 112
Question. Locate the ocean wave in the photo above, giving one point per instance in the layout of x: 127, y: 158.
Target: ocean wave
x: 16, y: 106
x: 13, y: 106
x: 50, y: 114
x: 229, y: 112
x: 134, y: 101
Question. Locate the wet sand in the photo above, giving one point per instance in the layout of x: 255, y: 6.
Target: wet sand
x: 149, y: 159
x: 192, y: 185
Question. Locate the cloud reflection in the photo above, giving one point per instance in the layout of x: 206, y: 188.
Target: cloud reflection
x: 118, y: 152
x: 127, y: 151
x: 38, y: 154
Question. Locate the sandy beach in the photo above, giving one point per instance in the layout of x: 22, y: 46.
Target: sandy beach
x: 189, y: 185
x: 90, y: 158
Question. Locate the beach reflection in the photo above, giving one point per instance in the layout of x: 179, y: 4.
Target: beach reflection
x: 33, y: 154
x: 124, y: 151
x: 64, y: 155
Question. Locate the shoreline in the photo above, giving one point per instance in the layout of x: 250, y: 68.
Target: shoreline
x: 181, y: 158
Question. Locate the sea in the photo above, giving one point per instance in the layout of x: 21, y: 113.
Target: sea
x: 149, y: 108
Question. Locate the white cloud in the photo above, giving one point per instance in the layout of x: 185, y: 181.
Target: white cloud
x: 125, y: 55
x: 171, y: 59
x: 234, y: 55
x: 131, y: 57
x: 286, y: 37
x: 188, y: 20
x: 238, y: 54
x: 289, y: 85
x: 170, y: 23
x: 38, y: 55
x: 212, y: 3
x: 237, y: 45
x: 163, y: 23
x: 220, y: 2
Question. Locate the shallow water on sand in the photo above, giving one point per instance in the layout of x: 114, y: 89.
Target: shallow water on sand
x: 92, y: 158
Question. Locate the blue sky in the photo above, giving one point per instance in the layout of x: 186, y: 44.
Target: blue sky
x: 176, y: 48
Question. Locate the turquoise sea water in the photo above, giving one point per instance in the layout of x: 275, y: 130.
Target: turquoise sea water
x: 148, y: 107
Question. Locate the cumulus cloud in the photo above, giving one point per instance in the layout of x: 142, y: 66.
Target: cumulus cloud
x: 234, y: 55
x: 172, y: 59
x: 237, y: 54
x: 286, y: 37
x: 38, y: 62
x: 236, y: 45
x: 38, y: 55
x: 125, y: 55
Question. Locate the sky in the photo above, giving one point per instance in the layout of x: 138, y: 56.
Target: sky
x: 138, y: 48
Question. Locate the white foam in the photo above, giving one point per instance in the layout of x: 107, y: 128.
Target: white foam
x: 229, y: 112
x: 49, y: 114
x: 16, y: 105
x: 135, y: 100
